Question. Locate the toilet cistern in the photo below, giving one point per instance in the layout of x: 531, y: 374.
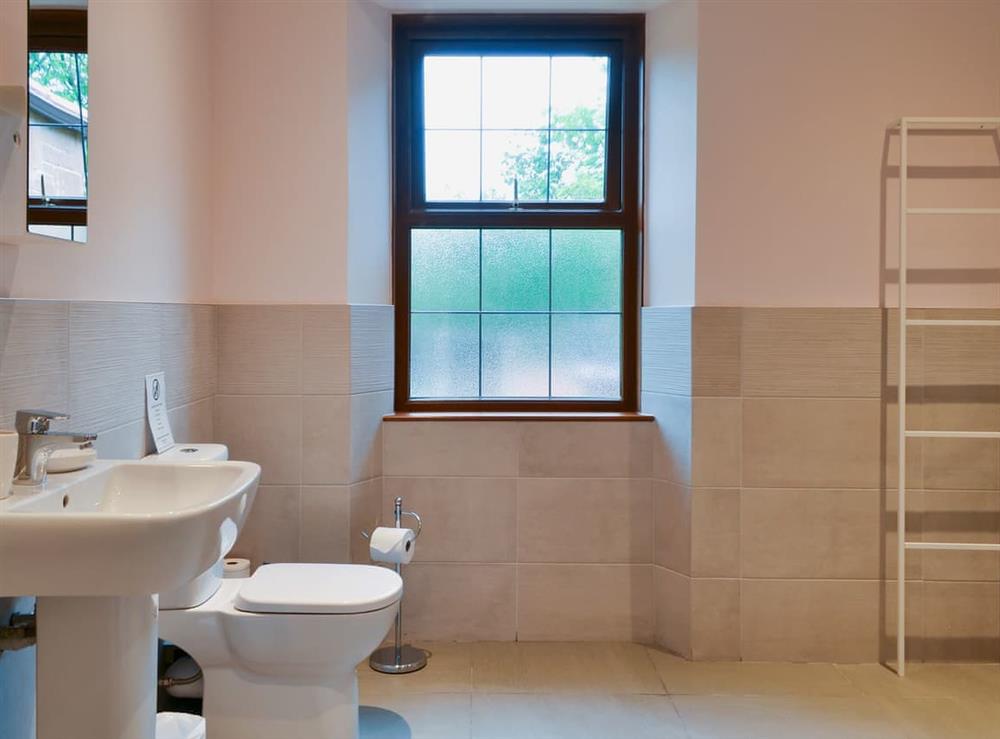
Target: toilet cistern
x: 35, y: 444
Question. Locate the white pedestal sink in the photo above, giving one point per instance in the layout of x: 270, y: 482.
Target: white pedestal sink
x: 95, y: 546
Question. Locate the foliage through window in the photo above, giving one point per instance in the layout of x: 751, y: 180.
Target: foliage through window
x: 516, y: 214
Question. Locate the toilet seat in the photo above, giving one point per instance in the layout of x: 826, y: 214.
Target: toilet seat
x: 318, y: 588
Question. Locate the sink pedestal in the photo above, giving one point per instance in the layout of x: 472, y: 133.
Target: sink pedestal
x: 96, y: 667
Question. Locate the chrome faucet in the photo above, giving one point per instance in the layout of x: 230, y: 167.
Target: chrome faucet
x: 35, y: 444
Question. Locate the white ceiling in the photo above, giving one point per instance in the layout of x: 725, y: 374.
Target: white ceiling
x: 521, y: 6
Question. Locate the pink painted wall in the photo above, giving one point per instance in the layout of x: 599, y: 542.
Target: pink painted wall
x: 794, y: 99
x: 149, y: 142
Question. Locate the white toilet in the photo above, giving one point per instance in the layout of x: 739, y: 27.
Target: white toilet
x: 279, y: 649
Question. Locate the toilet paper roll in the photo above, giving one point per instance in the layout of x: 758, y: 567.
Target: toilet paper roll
x: 392, y: 545
x: 235, y: 567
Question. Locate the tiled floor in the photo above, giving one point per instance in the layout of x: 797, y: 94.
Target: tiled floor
x: 626, y: 691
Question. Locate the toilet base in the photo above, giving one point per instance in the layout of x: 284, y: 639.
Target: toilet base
x: 245, y: 706
x: 398, y: 660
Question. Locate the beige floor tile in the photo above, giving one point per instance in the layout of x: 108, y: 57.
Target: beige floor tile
x: 439, y: 716
x: 786, y: 717
x: 939, y: 718
x: 682, y: 677
x: 544, y: 667
x: 574, y: 717
x: 979, y: 683
x: 879, y: 681
x: 448, y: 671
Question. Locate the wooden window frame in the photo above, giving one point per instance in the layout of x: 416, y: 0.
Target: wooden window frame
x: 619, y: 35
x: 55, y: 30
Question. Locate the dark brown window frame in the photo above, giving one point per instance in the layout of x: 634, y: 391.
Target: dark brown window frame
x: 56, y: 30
x: 619, y: 35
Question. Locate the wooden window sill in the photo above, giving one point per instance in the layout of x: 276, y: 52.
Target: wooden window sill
x: 523, y: 416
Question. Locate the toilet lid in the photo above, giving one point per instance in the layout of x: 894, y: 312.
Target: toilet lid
x: 318, y: 588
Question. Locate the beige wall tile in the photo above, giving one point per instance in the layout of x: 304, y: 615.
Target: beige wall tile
x: 811, y: 533
x: 367, y: 411
x: 715, y: 532
x: 672, y: 595
x: 366, y: 509
x: 128, y: 441
x: 914, y: 532
x: 666, y: 350
x: 112, y: 346
x: 581, y: 449
x: 372, y: 348
x: 34, y: 357
x: 193, y: 423
x: 914, y: 620
x: 459, y: 602
x: 672, y: 526
x: 820, y: 443
x: 963, y: 360
x: 961, y: 464
x: 266, y: 429
x: 716, y: 428
x: 326, y: 440
x: 260, y: 349
x: 587, y: 520
x: 188, y: 352
x: 715, y: 619
x: 715, y: 350
x: 466, y: 519
x: 961, y: 516
x: 961, y: 621
x: 670, y: 437
x: 325, y: 523
x: 914, y: 447
x: 326, y: 350
x: 271, y: 532
x: 419, y: 448
x: 812, y: 352
x: 810, y: 620
x: 584, y: 602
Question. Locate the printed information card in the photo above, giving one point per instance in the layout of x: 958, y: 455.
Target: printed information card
x: 156, y: 412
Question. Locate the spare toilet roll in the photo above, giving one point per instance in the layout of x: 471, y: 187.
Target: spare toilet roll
x: 236, y: 567
x: 392, y: 545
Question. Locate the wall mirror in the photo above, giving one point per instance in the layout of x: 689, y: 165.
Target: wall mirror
x: 57, y: 86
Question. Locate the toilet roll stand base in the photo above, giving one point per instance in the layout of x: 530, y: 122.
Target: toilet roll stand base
x: 399, y: 658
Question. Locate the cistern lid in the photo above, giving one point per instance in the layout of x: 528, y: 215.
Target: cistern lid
x: 319, y: 588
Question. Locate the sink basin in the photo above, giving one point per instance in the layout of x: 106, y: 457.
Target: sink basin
x: 121, y: 528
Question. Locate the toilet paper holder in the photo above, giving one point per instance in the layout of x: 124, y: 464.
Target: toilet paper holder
x: 399, y: 658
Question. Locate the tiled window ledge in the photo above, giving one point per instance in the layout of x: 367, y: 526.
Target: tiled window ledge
x: 546, y: 416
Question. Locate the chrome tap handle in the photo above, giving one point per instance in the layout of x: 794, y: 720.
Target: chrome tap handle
x: 36, y: 421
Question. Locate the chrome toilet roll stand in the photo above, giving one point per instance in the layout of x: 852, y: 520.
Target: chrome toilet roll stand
x: 399, y: 658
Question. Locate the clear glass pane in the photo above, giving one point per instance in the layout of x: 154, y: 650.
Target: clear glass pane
x: 515, y: 270
x: 451, y: 167
x: 444, y: 269
x: 577, y: 168
x: 52, y: 86
x: 515, y: 356
x: 444, y: 355
x: 451, y: 92
x: 516, y: 92
x: 586, y: 361
x: 56, y: 152
x: 510, y: 155
x: 586, y: 270
x: 579, y: 91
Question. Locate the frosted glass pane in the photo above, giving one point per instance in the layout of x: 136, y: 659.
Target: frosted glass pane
x: 515, y: 356
x: 444, y: 356
x: 515, y: 154
x: 586, y: 360
x: 516, y: 92
x: 577, y: 162
x: 444, y: 269
x: 586, y: 270
x: 451, y: 165
x: 579, y: 91
x: 515, y: 270
x: 451, y: 92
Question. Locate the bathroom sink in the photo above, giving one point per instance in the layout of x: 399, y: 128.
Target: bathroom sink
x: 121, y: 528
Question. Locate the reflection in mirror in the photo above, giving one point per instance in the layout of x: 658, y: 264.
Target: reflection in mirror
x: 58, y: 83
